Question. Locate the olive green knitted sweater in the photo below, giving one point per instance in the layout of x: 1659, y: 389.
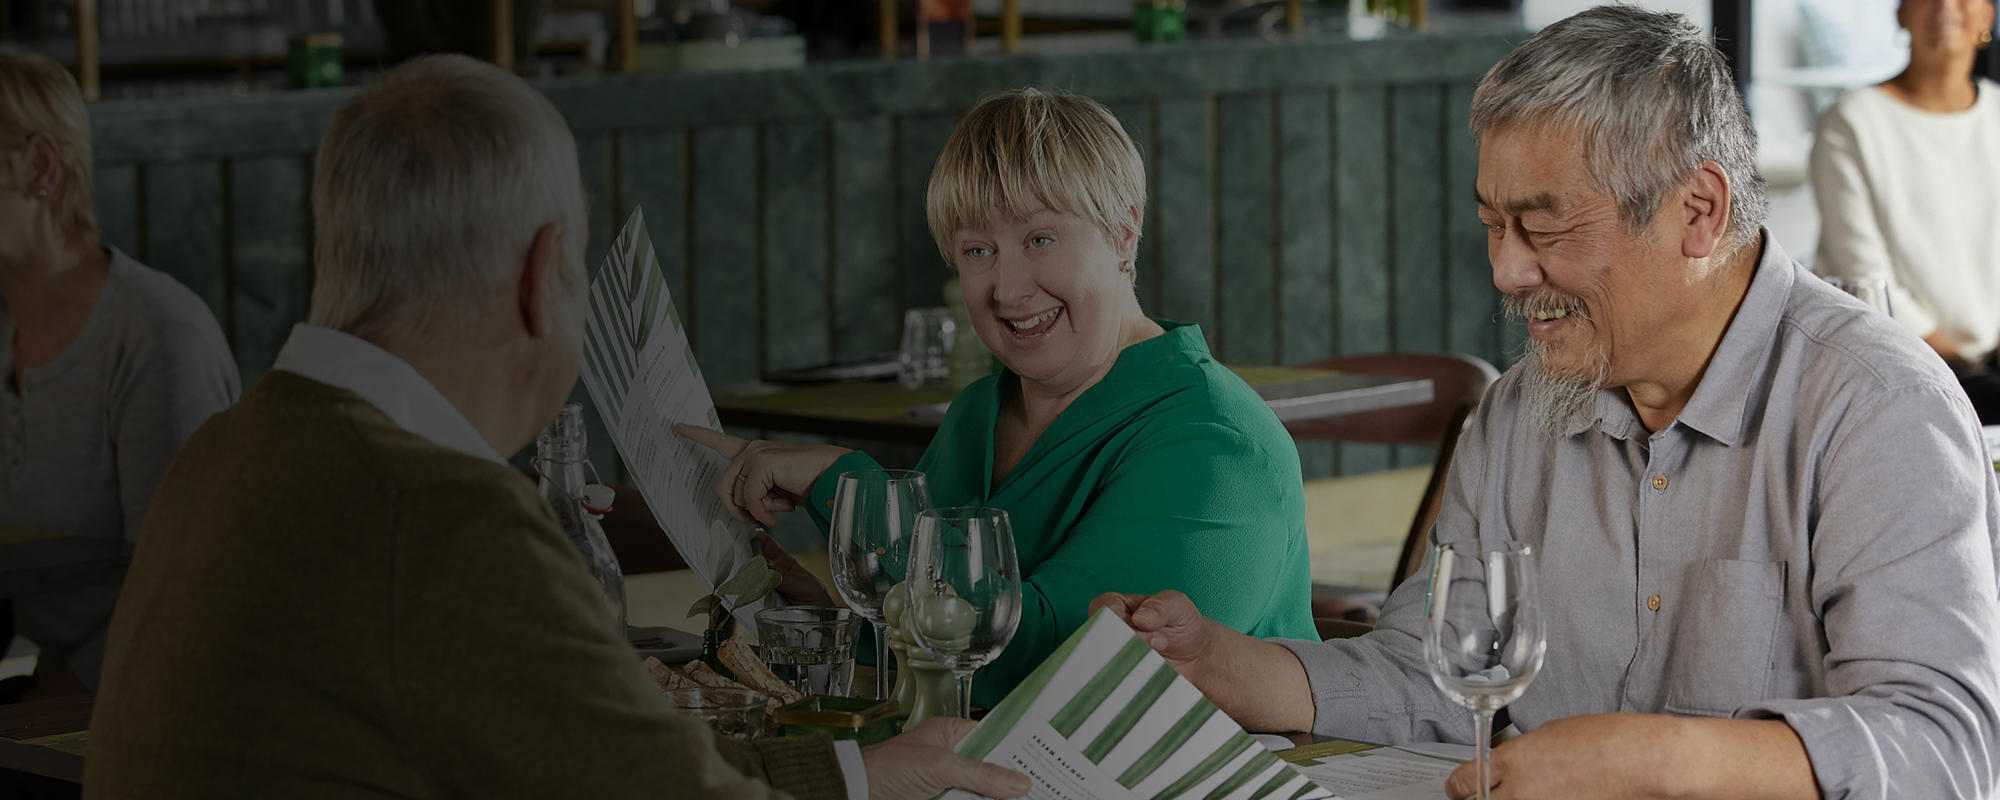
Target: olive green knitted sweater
x: 325, y: 605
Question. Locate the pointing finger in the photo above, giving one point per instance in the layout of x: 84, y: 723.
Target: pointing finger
x: 715, y: 440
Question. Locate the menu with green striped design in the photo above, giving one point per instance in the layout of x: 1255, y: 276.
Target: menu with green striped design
x: 1106, y: 717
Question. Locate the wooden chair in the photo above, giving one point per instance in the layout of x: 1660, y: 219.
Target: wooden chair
x: 1457, y: 383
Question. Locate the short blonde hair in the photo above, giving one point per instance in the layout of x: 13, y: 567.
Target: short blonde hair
x: 38, y: 96
x: 1028, y: 148
x: 429, y: 187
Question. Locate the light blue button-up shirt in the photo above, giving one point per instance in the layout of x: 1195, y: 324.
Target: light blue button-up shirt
x: 1812, y: 540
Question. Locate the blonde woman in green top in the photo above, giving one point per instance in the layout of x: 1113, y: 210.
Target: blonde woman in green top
x: 1128, y: 459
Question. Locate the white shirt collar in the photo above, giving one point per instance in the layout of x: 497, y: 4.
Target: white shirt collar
x: 386, y: 381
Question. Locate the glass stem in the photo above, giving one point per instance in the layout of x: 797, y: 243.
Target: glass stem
x: 881, y: 660
x: 964, y: 694
x: 1482, y: 748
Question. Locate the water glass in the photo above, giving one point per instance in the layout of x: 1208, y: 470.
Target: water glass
x: 1484, y: 638
x: 810, y: 648
x: 965, y: 590
x: 925, y: 360
x: 731, y: 713
x: 874, y: 513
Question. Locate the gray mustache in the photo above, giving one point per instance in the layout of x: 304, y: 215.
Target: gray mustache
x: 1521, y: 307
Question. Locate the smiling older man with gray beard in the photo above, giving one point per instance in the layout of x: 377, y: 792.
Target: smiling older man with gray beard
x: 1764, y: 516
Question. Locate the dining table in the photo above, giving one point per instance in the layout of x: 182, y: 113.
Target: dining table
x: 886, y: 411
x: 43, y: 744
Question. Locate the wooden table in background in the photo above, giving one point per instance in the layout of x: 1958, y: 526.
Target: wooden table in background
x: 887, y: 412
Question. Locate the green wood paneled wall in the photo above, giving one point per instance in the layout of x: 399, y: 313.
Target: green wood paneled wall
x: 1307, y: 198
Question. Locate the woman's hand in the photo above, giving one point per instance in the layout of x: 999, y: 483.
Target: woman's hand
x: 764, y: 478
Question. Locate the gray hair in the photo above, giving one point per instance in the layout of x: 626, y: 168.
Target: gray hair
x: 428, y: 191
x: 1652, y: 99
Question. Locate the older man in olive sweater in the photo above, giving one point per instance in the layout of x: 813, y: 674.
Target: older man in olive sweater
x: 343, y: 591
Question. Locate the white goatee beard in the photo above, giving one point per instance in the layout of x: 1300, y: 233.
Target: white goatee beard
x: 1555, y: 399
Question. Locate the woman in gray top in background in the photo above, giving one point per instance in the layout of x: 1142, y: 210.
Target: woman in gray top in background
x: 108, y: 366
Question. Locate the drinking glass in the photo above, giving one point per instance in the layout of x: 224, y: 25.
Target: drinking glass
x: 925, y: 359
x: 965, y: 590
x: 1484, y: 638
x: 731, y: 713
x: 810, y: 648
x: 874, y: 512
x: 1874, y: 291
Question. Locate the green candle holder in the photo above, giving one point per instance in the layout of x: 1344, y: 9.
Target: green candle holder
x: 924, y: 688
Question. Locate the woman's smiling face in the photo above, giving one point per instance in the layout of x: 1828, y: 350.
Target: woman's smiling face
x: 1049, y: 293
x: 1947, y: 26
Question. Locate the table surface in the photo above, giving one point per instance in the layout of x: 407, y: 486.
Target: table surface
x: 47, y: 737
x: 885, y: 411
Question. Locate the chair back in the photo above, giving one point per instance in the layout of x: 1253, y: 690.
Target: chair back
x: 1458, y: 381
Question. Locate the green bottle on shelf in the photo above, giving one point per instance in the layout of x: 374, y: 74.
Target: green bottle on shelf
x: 1159, y: 20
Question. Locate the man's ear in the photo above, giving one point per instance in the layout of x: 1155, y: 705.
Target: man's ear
x: 1703, y: 215
x: 541, y: 287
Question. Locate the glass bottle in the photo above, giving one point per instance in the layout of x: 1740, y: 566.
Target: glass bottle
x: 969, y: 360
x: 562, y: 453
x: 1159, y: 20
x: 712, y: 640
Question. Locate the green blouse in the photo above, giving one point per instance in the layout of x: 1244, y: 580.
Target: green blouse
x: 1170, y: 473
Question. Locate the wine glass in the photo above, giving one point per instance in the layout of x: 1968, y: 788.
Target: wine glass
x: 874, y: 512
x: 1484, y: 638
x: 965, y: 590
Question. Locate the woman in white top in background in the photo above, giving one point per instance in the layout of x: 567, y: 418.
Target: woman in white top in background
x: 1907, y: 179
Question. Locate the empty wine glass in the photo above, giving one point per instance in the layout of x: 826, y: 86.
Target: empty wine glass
x: 1484, y: 638
x: 874, y: 512
x: 965, y: 590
